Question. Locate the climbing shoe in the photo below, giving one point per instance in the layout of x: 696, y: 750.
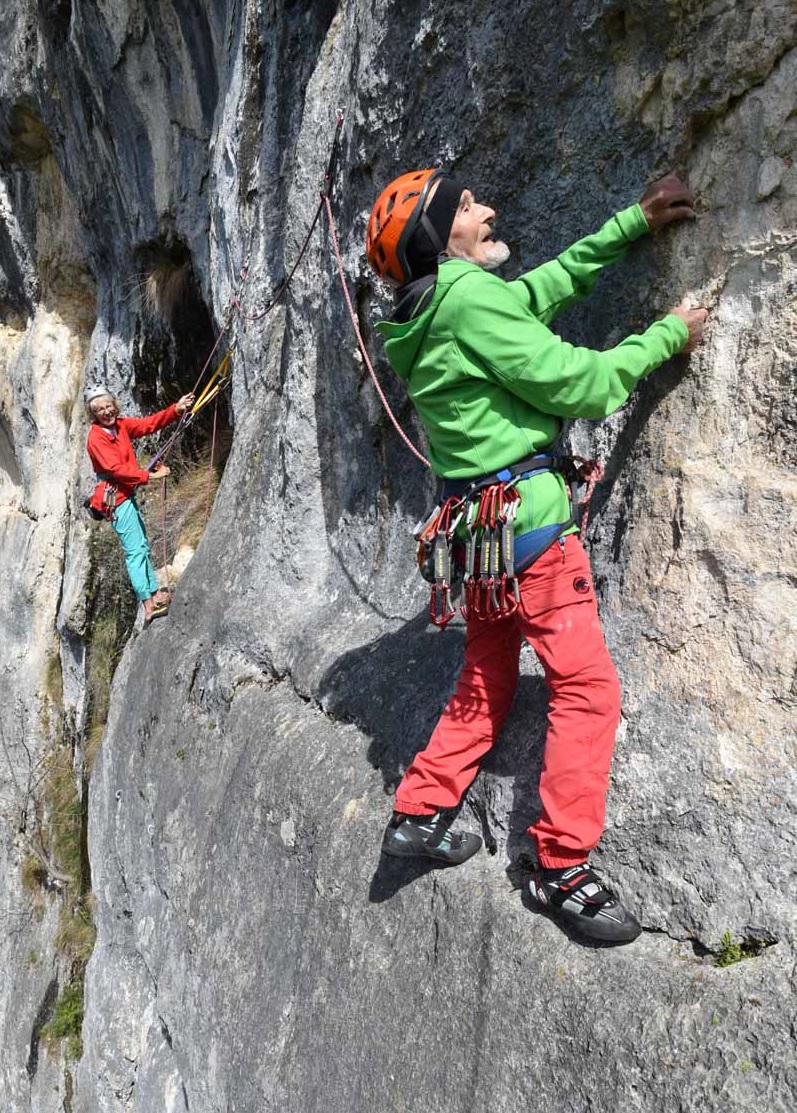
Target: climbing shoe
x: 159, y: 610
x: 428, y: 836
x: 577, y: 897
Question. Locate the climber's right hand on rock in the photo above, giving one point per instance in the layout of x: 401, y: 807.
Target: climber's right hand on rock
x: 695, y: 321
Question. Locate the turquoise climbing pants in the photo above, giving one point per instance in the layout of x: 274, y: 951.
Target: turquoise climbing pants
x: 129, y: 526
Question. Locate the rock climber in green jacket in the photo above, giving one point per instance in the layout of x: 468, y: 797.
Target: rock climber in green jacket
x: 493, y: 385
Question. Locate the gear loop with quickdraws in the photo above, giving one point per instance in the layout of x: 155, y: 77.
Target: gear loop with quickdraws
x: 486, y: 556
x: 490, y: 585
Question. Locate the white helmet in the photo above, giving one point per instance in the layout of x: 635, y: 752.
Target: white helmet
x: 91, y: 393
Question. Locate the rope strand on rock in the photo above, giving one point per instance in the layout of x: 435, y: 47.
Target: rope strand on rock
x: 361, y: 343
x: 163, y: 531
x: 590, y: 472
x: 212, y: 453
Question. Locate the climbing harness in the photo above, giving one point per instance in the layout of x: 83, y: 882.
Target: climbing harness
x: 490, y: 557
x: 105, y: 511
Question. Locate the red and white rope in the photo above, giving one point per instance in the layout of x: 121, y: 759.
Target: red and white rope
x: 361, y: 343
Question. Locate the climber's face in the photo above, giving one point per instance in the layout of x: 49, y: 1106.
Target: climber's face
x: 471, y: 236
x: 104, y: 411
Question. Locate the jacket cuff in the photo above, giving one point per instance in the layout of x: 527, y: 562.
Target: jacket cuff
x: 143, y: 476
x: 678, y: 327
x: 633, y: 222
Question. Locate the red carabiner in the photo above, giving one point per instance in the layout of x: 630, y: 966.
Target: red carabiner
x: 441, y: 608
x: 508, y: 604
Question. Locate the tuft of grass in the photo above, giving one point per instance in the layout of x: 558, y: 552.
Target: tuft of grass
x: 113, y: 613
x: 104, y: 652
x: 34, y: 875
x: 92, y: 739
x: 30, y: 140
x: 66, y: 1025
x: 64, y: 814
x: 168, y: 287
x: 198, y: 486
x: 53, y: 678
x: 62, y: 833
x: 52, y: 704
x: 77, y: 934
x: 731, y: 952
x: 190, y: 491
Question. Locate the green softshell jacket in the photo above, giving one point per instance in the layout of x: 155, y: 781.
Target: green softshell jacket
x: 492, y: 383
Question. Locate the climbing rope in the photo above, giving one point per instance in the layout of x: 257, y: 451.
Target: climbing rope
x: 163, y: 533
x: 591, y: 472
x: 212, y: 453
x: 285, y: 283
x: 360, y: 342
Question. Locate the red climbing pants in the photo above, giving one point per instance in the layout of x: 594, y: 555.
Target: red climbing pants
x: 558, y: 617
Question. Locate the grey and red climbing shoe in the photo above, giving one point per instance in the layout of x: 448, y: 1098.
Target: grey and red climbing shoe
x: 428, y: 836
x: 577, y: 897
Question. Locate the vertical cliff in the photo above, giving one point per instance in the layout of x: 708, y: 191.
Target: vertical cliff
x: 251, y: 951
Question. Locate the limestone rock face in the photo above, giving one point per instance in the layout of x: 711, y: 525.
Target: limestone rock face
x: 252, y: 951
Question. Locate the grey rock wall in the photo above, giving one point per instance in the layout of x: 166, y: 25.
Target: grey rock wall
x: 253, y: 953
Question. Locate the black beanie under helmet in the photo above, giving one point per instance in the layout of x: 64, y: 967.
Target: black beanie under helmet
x: 430, y: 238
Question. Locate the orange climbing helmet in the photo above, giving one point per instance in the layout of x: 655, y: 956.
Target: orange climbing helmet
x: 399, y: 213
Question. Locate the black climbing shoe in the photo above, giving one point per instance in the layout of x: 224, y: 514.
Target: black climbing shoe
x: 577, y: 897
x: 428, y: 836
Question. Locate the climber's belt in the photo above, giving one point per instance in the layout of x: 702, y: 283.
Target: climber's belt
x: 514, y: 473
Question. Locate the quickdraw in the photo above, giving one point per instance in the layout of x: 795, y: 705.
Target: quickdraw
x: 435, y: 537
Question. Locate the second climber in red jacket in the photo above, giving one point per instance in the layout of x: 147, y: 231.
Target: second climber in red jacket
x: 118, y: 474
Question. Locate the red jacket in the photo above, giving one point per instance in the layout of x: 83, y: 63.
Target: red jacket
x: 112, y: 455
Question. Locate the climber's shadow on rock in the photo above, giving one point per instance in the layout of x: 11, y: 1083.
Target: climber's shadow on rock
x: 392, y: 874
x: 394, y: 690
